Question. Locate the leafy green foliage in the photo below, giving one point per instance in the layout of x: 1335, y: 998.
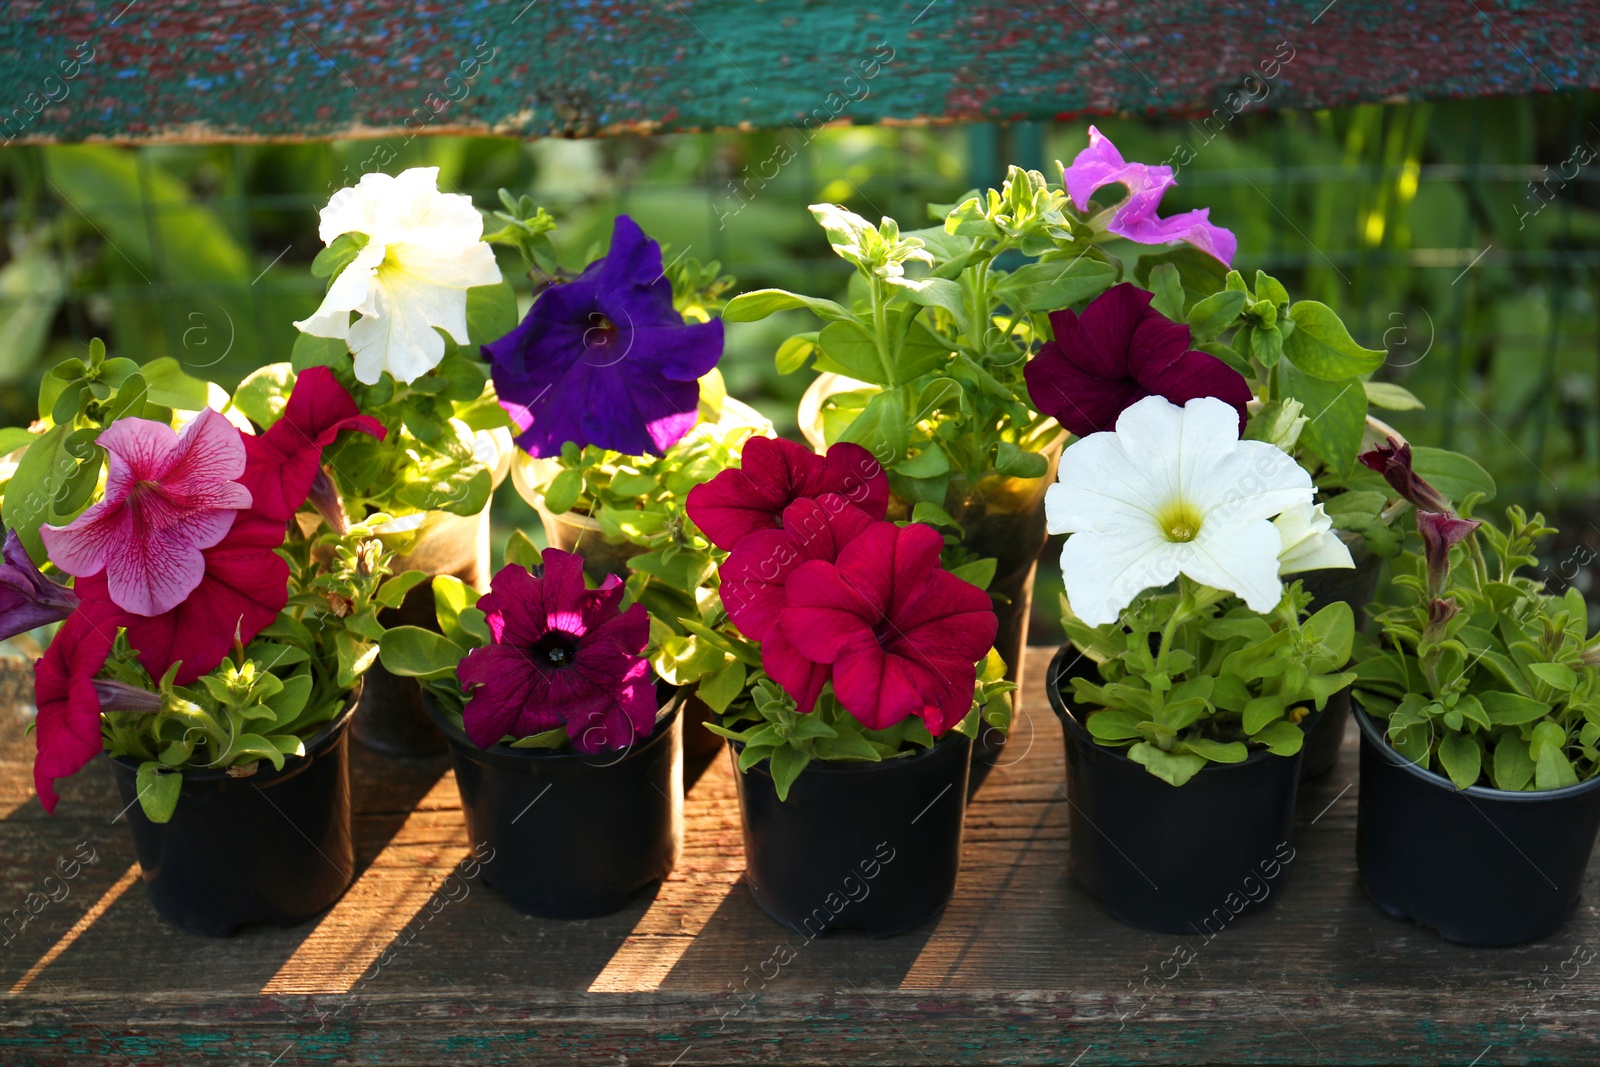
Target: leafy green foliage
x: 1193, y: 677
x: 1501, y: 692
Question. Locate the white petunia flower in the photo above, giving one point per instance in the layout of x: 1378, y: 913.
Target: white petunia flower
x: 1171, y: 490
x: 1309, y: 542
x: 424, y: 251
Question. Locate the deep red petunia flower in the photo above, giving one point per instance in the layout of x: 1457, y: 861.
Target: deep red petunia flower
x: 1439, y: 533
x: 281, y: 463
x: 774, y: 473
x: 756, y: 571
x: 901, y: 634
x: 1119, y: 351
x: 562, y: 655
x: 67, y: 731
x: 1393, y: 461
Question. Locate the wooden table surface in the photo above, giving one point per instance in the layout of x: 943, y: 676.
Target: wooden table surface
x: 415, y: 966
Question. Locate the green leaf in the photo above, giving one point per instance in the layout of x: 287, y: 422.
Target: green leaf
x: 312, y: 351
x: 1114, y: 724
x: 158, y: 790
x: 1261, y: 711
x: 1174, y: 768
x: 353, y: 655
x: 1049, y: 286
x: 521, y: 550
x: 936, y: 395
x: 1454, y: 475
x: 1461, y: 758
x: 1509, y: 709
x: 553, y: 738
x: 930, y: 462
x: 934, y: 515
x: 794, y: 352
x: 1270, y: 289
x: 1391, y: 397
x: 1513, y: 766
x: 847, y: 348
x: 1217, y: 751
x: 939, y: 293
x: 393, y: 591
x: 1215, y: 313
x: 339, y: 254
x: 288, y: 702
x: 980, y: 572
x: 1559, y: 675
x: 412, y: 652
x: 168, y: 386
x: 563, y: 490
x: 881, y: 429
x: 1336, y: 414
x: 722, y: 687
x: 787, y: 763
x: 1200, y: 274
x: 1552, y: 769
x: 1321, y: 346
x: 13, y: 438
x: 1282, y: 738
x: 30, y: 495
x: 1168, y: 289
x: 451, y: 596
x: 758, y: 304
x: 1332, y: 632
x: 1014, y: 462
x: 491, y: 312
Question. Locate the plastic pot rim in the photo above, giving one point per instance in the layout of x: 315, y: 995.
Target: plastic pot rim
x: 1070, y: 722
x: 503, y: 756
x: 292, y: 765
x: 1372, y: 734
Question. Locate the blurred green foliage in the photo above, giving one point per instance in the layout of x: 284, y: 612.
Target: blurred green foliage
x: 1462, y: 236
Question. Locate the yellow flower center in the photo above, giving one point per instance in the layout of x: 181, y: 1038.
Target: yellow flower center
x: 1179, y: 522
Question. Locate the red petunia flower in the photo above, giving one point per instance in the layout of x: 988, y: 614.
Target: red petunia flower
x: 757, y: 570
x: 774, y: 473
x: 1119, y: 351
x: 281, y: 463
x: 562, y: 655
x: 901, y: 634
x: 67, y: 731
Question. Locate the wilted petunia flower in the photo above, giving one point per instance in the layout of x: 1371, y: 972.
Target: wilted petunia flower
x: 424, y: 251
x: 27, y: 598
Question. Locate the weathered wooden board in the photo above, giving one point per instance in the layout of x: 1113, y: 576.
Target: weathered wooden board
x: 74, y: 70
x: 418, y: 965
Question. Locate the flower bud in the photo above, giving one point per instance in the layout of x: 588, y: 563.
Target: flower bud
x: 324, y: 496
x: 119, y: 696
x: 1393, y: 461
x: 1439, y: 532
x: 27, y: 598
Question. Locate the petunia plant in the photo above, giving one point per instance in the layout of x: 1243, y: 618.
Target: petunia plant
x: 540, y: 661
x: 222, y: 608
x: 1480, y: 674
x: 1179, y: 535
x: 870, y: 648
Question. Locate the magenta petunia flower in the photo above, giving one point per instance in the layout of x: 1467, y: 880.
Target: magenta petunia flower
x: 772, y: 474
x: 605, y: 359
x: 1119, y: 351
x: 561, y: 655
x: 901, y: 634
x: 27, y: 597
x: 67, y: 731
x: 756, y: 572
x: 1135, y: 218
x: 1393, y: 461
x: 168, y: 498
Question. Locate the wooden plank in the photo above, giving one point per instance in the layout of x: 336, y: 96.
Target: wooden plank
x: 1021, y: 968
x: 77, y: 70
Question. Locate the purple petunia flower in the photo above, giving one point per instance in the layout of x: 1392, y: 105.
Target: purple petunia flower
x: 1135, y: 218
x: 605, y: 359
x: 561, y: 655
x: 27, y: 597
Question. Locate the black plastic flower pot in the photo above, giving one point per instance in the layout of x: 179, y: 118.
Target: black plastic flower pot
x: 1357, y: 588
x: 571, y: 835
x: 271, y: 847
x: 1183, y: 859
x: 871, y: 846
x: 1481, y: 866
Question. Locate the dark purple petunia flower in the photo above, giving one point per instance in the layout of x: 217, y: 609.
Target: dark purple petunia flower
x: 1440, y: 532
x: 605, y: 359
x: 561, y: 655
x: 27, y: 597
x: 1393, y: 461
x: 1119, y: 351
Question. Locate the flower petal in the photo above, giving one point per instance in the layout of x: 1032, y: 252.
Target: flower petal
x: 67, y: 731
x: 1241, y: 558
x: 350, y: 291
x: 505, y: 687
x: 802, y: 678
x: 1103, y: 572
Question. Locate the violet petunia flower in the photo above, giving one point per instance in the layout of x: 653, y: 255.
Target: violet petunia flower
x: 168, y: 498
x: 1135, y: 218
x: 605, y: 359
x: 27, y: 598
x: 561, y: 655
x: 1119, y: 351
x: 1393, y: 461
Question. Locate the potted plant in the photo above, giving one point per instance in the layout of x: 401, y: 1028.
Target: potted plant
x: 1479, y: 712
x: 853, y: 744
x: 214, y: 646
x: 413, y: 290
x: 546, y: 698
x: 1183, y: 735
x: 610, y: 478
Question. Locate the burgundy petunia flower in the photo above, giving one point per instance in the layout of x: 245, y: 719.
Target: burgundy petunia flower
x: 168, y: 498
x: 774, y: 473
x: 562, y: 655
x: 605, y: 359
x: 67, y: 731
x: 901, y: 634
x: 1119, y: 351
x: 756, y: 572
x: 1439, y: 532
x: 27, y: 598
x: 282, y: 463
x: 1393, y: 461
x: 1135, y: 217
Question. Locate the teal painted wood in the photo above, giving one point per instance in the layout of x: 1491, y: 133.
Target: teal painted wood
x: 76, y: 70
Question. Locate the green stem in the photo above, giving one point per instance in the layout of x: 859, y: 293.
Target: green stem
x: 880, y: 329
